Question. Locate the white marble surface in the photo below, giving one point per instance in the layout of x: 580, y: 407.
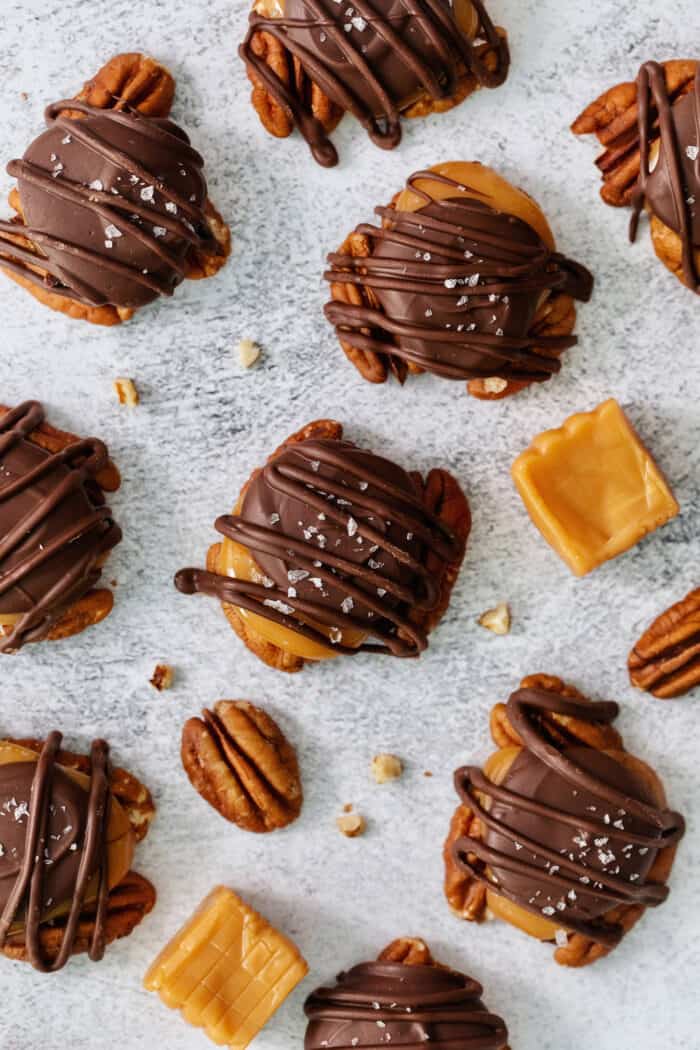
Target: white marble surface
x: 203, y: 423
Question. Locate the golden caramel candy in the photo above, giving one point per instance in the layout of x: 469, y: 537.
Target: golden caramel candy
x: 592, y: 488
x: 227, y: 970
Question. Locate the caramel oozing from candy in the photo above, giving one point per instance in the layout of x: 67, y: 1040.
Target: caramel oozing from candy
x: 479, y: 182
x: 237, y: 561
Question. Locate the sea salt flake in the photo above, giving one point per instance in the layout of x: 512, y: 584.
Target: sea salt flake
x: 463, y: 300
x: 147, y: 192
x: 281, y: 607
x: 692, y: 152
x: 428, y: 312
x: 112, y: 231
x: 561, y: 938
x: 347, y: 605
x: 171, y: 207
x: 474, y: 280
x: 359, y: 23
x: 450, y: 282
x: 297, y: 575
x: 66, y: 141
x: 352, y: 526
x: 159, y: 231
x: 274, y: 519
x: 96, y: 184
x: 548, y: 910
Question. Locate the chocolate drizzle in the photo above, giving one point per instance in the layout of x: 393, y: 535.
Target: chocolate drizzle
x: 54, y: 836
x: 571, y: 833
x: 373, y: 60
x: 457, y: 286
x: 112, y: 201
x: 342, y: 538
x: 672, y: 188
x: 54, y: 528
x: 380, y: 1003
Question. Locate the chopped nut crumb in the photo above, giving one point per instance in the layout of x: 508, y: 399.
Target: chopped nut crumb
x: 386, y: 767
x: 248, y: 352
x: 427, y: 773
x: 126, y: 391
x: 348, y: 807
x: 495, y: 385
x: 351, y: 825
x: 163, y: 677
x: 23, y: 95
x: 496, y: 620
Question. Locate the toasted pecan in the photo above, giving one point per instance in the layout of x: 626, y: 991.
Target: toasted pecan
x: 561, y: 729
x: 133, y: 796
x: 666, y: 660
x: 410, y: 951
x: 465, y: 895
x: 240, y: 762
x: 127, y: 904
x: 133, y: 81
x: 613, y: 116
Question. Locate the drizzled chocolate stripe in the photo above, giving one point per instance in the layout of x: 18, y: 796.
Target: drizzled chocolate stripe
x: 368, y: 64
x: 155, y: 222
x: 535, y: 857
x: 26, y: 900
x: 48, y: 555
x: 457, y: 285
x: 378, y: 1003
x: 324, y: 476
x: 672, y: 189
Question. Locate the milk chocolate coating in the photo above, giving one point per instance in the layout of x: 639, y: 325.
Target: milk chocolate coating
x: 54, y: 838
x: 458, y: 286
x: 113, y: 201
x: 672, y: 189
x: 380, y: 1003
x: 54, y: 527
x: 571, y: 833
x: 341, y: 538
x: 372, y: 59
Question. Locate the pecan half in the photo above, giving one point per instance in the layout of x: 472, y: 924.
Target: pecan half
x: 133, y: 796
x: 127, y: 904
x: 132, y: 81
x: 613, y: 119
x: 239, y: 760
x: 288, y: 68
x: 666, y: 660
x: 465, y: 894
x: 411, y: 951
x: 561, y: 729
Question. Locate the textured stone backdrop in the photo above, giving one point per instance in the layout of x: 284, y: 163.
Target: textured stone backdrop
x: 201, y: 426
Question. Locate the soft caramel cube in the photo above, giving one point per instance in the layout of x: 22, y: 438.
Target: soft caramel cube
x: 227, y: 970
x: 591, y: 487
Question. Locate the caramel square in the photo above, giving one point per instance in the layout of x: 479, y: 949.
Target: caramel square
x: 592, y: 488
x: 227, y: 970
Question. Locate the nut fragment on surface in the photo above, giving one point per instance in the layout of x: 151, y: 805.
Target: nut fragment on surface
x: 496, y: 620
x: 126, y: 391
x: 666, y: 660
x: 386, y: 767
x: 248, y: 352
x: 162, y: 677
x: 351, y: 825
x: 239, y: 760
x: 495, y: 385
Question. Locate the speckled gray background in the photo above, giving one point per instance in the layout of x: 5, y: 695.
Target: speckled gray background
x: 203, y: 423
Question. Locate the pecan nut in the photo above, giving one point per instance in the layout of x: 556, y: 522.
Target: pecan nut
x: 613, y: 119
x: 666, y: 660
x: 127, y: 904
x: 410, y: 951
x: 132, y: 81
x: 239, y: 760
